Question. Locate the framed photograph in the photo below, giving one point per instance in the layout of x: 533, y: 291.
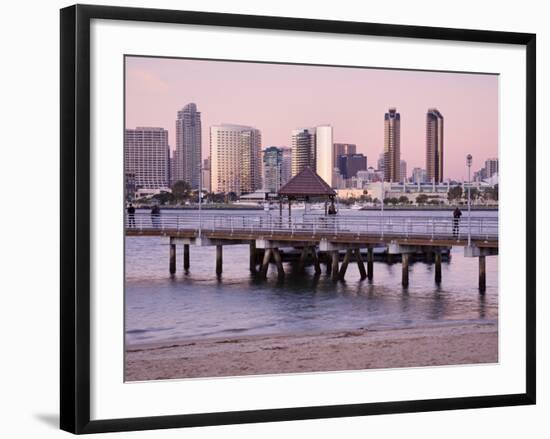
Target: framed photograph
x: 272, y: 218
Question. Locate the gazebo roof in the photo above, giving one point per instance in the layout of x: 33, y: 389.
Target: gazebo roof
x: 306, y: 183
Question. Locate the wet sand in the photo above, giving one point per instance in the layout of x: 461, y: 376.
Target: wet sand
x: 332, y: 351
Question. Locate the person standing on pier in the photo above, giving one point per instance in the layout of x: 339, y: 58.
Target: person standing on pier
x: 131, y: 210
x: 456, y: 221
x: 155, y: 216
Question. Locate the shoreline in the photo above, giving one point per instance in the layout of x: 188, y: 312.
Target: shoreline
x: 360, y: 349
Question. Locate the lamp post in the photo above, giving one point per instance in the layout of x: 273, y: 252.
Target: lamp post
x: 469, y: 164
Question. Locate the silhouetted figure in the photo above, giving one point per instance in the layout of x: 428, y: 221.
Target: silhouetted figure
x: 332, y: 209
x: 456, y: 222
x: 155, y: 216
x: 131, y: 210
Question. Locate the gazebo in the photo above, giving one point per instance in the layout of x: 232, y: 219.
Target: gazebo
x: 305, y: 185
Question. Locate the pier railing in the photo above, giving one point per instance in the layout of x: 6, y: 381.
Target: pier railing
x: 431, y: 227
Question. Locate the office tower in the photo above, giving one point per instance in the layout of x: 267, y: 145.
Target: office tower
x: 206, y: 175
x: 187, y: 157
x: 343, y: 149
x: 313, y: 147
x: 147, y: 157
x: 303, y: 149
x: 324, y: 158
x: 286, y: 166
x: 418, y: 175
x: 392, y: 146
x: 350, y: 164
x: 235, y: 158
x: 491, y: 167
x: 272, y: 169
x: 434, y: 145
x: 403, y: 170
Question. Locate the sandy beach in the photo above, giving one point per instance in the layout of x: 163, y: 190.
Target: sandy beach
x: 331, y: 351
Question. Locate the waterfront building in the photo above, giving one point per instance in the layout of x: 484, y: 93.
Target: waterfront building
x: 392, y: 146
x: 343, y: 149
x: 350, y: 164
x: 272, y: 169
x: 147, y: 157
x: 235, y: 158
x: 434, y: 145
x: 187, y: 157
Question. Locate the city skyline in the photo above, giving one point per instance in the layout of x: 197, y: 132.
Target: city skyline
x: 352, y: 100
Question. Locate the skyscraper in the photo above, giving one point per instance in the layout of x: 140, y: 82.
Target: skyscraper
x: 187, y: 157
x: 286, y: 167
x: 343, y: 149
x: 273, y: 166
x: 303, y: 149
x: 491, y: 167
x: 434, y: 145
x: 403, y: 170
x: 235, y: 163
x: 392, y: 146
x: 350, y: 164
x: 324, y: 155
x: 313, y: 147
x: 147, y: 157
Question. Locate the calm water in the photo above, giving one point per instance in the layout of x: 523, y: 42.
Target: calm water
x: 161, y: 307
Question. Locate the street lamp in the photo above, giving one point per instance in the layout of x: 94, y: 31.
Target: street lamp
x: 469, y: 164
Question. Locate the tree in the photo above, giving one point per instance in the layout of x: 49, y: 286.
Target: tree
x: 164, y: 198
x: 421, y: 199
x: 455, y: 193
x: 403, y: 199
x: 181, y: 190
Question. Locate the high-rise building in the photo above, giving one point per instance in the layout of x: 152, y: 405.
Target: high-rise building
x: 286, y: 166
x: 491, y: 167
x: 418, y: 175
x: 272, y: 169
x: 187, y: 157
x: 147, y: 157
x: 235, y: 158
x: 303, y: 149
x: 434, y: 145
x: 403, y: 170
x: 324, y: 156
x: 350, y: 164
x: 313, y: 147
x: 343, y: 149
x: 392, y: 146
x: 206, y: 175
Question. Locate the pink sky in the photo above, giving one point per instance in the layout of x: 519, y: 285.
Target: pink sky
x: 277, y: 98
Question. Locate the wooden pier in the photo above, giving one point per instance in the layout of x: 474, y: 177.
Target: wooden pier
x: 323, y: 239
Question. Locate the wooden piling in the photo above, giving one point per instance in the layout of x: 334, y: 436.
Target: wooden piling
x: 328, y: 258
x: 172, y: 258
x: 345, y: 263
x: 482, y: 284
x: 302, y: 261
x: 360, y: 263
x: 370, y: 263
x: 252, y: 260
x: 315, y: 260
x: 186, y: 257
x: 265, y: 262
x: 334, y: 265
x: 219, y: 259
x: 405, y: 270
x: 437, y: 255
x: 278, y: 262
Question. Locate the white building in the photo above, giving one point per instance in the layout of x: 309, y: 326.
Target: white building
x: 147, y: 157
x: 235, y: 152
x: 324, y: 153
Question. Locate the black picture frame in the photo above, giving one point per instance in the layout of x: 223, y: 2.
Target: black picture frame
x: 75, y: 217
